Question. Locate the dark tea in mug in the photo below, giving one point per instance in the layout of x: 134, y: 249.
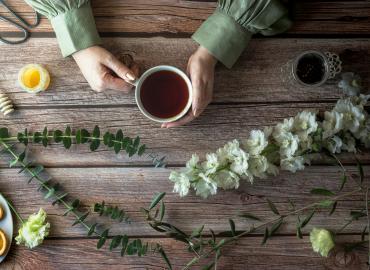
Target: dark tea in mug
x: 164, y: 94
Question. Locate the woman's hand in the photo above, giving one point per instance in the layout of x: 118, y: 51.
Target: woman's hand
x: 104, y: 71
x: 201, y: 69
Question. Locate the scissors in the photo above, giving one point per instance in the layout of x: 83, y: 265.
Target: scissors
x: 21, y: 26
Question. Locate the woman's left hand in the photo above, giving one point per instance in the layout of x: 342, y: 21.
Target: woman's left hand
x: 201, y: 69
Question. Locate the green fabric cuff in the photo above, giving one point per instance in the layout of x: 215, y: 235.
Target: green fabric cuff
x: 76, y: 30
x: 223, y: 37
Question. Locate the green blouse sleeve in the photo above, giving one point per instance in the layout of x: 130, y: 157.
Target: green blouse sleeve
x: 227, y: 32
x: 73, y: 23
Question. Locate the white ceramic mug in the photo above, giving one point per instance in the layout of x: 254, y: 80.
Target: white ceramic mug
x: 139, y: 83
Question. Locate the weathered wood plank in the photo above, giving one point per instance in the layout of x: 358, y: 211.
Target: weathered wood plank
x: 170, y: 16
x: 257, y: 77
x: 286, y: 253
x: 133, y: 188
x: 218, y: 124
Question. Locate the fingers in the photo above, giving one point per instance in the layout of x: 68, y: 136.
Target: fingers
x: 120, y: 69
x: 114, y: 83
x: 186, y: 119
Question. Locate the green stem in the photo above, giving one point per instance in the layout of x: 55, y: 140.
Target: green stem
x: 14, y: 211
x: 236, y: 237
x: 41, y: 182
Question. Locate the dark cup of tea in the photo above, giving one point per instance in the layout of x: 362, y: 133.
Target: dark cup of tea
x: 164, y: 94
x: 314, y: 68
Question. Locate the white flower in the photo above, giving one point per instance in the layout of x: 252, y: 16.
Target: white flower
x: 292, y: 164
x: 238, y: 158
x: 34, y: 230
x: 205, y: 186
x: 288, y: 143
x: 182, y: 183
x: 284, y: 127
x: 322, y: 241
x: 193, y: 163
x: 351, y: 84
x: 212, y: 163
x: 256, y: 142
x: 353, y: 115
x: 227, y: 179
x: 332, y: 124
x: 304, y: 124
x: 259, y: 166
x: 335, y: 145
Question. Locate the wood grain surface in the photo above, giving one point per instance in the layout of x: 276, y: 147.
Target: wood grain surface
x: 255, y: 93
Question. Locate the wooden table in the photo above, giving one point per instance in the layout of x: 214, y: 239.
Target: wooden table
x: 249, y: 96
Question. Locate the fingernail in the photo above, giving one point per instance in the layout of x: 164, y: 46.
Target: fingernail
x: 195, y: 112
x: 163, y: 126
x: 130, y: 76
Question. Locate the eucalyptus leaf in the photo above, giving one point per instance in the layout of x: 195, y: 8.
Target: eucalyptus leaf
x: 249, y: 216
x: 273, y: 207
x: 265, y: 236
x: 232, y: 227
x: 322, y: 191
x: 156, y: 200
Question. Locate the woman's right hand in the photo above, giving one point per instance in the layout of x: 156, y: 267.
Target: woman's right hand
x: 103, y: 71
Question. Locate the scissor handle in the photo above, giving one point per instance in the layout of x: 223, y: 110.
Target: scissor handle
x: 37, y: 16
x: 26, y: 34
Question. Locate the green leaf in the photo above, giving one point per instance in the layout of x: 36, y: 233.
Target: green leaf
x: 249, y: 216
x: 220, y: 244
x: 363, y: 233
x: 96, y: 132
x: 334, y: 206
x: 275, y: 227
x: 37, y: 137
x: 156, y: 200
x: 197, y: 232
x: 117, y: 147
x: 162, y: 211
x: 84, y: 136
x: 308, y: 218
x: 141, y: 150
x: 94, y: 145
x: 81, y: 219
x: 4, y: 133
x: 273, y: 207
x: 67, y: 140
x: 136, y: 142
x: 124, y: 244
x: 299, y: 233
x: 343, y: 181
x: 356, y: 215
x: 102, y: 239
x: 107, y: 138
x: 116, y: 241
x: 58, y: 136
x: 78, y: 136
x: 360, y: 170
x: 265, y: 236
x: 119, y: 135
x: 45, y: 134
x: 322, y: 191
x: 232, y: 227
x: 325, y: 203
x: 165, y: 258
x: 92, y: 229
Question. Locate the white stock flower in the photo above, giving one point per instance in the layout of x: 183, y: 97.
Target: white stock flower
x: 288, y: 143
x: 353, y: 115
x: 193, y: 163
x: 256, y: 142
x: 283, y: 127
x: 304, y: 124
x: 292, y: 164
x: 182, y: 183
x: 335, y: 145
x: 205, y: 186
x: 332, y: 124
x: 211, y: 164
x: 237, y: 157
x: 258, y: 166
x: 227, y: 179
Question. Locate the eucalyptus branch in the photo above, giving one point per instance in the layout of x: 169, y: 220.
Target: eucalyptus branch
x: 133, y: 247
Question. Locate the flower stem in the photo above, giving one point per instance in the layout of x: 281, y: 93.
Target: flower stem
x: 262, y: 225
x: 41, y: 182
x: 14, y: 211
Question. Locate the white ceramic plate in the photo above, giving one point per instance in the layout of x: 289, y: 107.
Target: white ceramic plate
x: 6, y: 225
